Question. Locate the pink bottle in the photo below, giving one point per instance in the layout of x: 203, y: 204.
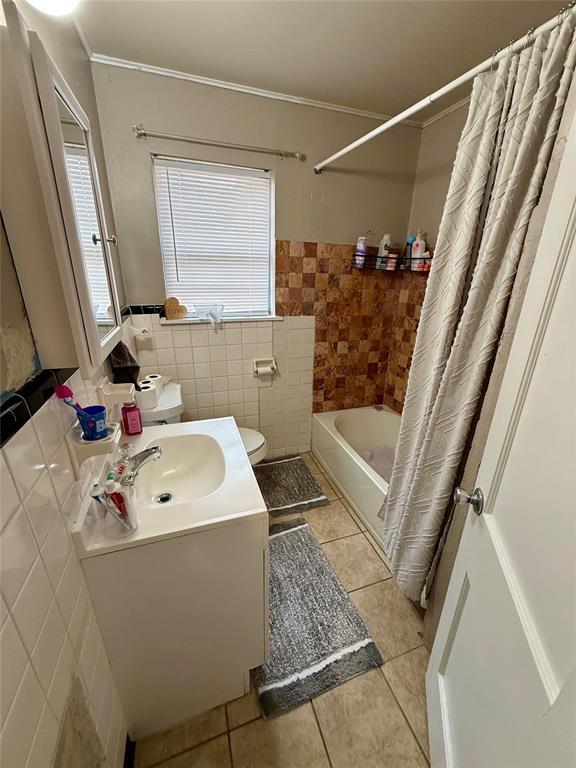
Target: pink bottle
x: 131, y: 419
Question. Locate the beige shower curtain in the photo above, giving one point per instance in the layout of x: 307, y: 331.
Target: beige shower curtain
x: 498, y: 174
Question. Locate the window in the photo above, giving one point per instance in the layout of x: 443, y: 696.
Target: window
x: 80, y: 180
x: 216, y: 235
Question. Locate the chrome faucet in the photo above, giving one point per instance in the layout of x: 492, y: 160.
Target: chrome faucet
x: 135, y: 463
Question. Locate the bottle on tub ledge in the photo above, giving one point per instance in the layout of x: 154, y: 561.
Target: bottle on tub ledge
x: 405, y: 261
x: 383, y: 252
x: 417, y: 257
x: 360, y: 252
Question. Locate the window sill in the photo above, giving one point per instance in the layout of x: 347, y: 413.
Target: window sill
x: 197, y: 321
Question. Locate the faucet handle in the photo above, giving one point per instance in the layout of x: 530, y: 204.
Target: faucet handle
x: 135, y: 463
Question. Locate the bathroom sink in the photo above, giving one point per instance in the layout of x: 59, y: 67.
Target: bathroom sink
x: 191, y: 467
x: 202, y: 480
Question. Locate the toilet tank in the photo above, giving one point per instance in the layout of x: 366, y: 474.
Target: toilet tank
x: 169, y: 409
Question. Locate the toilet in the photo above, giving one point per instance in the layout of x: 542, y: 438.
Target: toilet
x: 254, y: 443
x: 169, y: 411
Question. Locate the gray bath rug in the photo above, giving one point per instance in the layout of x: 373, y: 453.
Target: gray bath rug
x: 287, y: 485
x: 317, y: 638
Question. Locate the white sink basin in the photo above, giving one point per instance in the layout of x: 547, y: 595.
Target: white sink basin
x: 191, y: 467
x: 203, y: 479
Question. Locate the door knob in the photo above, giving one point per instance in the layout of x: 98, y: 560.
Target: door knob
x: 476, y: 499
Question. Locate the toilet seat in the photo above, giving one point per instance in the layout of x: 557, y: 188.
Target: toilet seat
x: 254, y: 443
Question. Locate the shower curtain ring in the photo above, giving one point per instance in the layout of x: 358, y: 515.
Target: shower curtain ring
x: 496, y: 52
x: 565, y: 12
x: 529, y: 38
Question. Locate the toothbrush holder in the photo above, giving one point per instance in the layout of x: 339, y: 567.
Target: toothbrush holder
x: 93, y: 422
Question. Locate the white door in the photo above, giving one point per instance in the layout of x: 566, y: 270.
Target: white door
x: 501, y: 684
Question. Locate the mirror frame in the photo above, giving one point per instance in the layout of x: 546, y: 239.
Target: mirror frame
x: 50, y: 82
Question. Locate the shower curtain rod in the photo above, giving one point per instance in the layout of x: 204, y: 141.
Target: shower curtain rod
x: 141, y: 133
x: 513, y: 47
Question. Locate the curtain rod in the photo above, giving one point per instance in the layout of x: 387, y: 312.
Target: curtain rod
x: 141, y: 133
x: 425, y: 102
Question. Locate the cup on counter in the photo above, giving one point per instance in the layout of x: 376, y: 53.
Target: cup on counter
x: 93, y: 422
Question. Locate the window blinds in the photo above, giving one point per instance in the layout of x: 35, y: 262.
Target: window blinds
x: 80, y: 180
x: 215, y: 224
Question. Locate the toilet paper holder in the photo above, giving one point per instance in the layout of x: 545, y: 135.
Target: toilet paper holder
x: 264, y: 366
x: 143, y: 338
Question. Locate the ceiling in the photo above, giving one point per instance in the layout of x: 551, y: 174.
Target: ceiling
x: 380, y: 56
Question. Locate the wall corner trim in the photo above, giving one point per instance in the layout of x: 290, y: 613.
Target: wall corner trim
x: 112, y: 61
x: 445, y: 112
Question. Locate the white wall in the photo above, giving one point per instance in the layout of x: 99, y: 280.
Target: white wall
x: 438, y: 145
x: 48, y: 628
x: 369, y: 189
x: 215, y: 369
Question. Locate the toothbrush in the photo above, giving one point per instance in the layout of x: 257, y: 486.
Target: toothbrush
x: 65, y: 394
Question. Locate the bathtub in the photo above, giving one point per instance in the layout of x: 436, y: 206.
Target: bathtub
x: 344, y: 442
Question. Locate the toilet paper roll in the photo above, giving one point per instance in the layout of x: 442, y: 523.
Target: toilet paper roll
x: 148, y: 395
x: 264, y: 370
x: 158, y: 380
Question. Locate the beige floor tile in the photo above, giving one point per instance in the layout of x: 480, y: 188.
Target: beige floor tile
x: 378, y: 549
x: 355, y: 516
x: 311, y: 463
x: 288, y: 741
x: 406, y: 676
x: 391, y: 618
x: 243, y: 710
x: 355, y: 562
x: 363, y: 726
x: 213, y: 754
x: 329, y: 490
x: 284, y: 518
x: 161, y: 746
x: 331, y: 521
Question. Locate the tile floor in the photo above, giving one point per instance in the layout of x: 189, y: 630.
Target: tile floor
x: 376, y: 719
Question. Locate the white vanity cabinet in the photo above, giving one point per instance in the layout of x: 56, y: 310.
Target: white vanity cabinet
x: 182, y: 601
x: 183, y: 619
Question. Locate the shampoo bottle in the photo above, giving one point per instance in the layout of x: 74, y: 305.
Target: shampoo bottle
x: 417, y: 256
x: 383, y: 252
x: 407, y: 255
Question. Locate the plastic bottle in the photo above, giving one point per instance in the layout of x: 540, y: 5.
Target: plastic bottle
x: 131, y: 419
x: 392, y: 261
x: 417, y: 256
x: 360, y: 252
x: 362, y: 245
x: 383, y: 252
x: 407, y: 255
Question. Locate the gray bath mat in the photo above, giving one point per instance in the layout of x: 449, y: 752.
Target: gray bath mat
x: 287, y: 485
x: 317, y: 638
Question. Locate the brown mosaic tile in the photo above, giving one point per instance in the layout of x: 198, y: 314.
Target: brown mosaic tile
x: 366, y: 322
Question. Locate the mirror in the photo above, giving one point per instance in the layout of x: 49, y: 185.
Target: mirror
x: 77, y: 216
x: 81, y: 183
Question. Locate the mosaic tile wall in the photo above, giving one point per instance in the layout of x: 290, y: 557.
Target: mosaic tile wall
x: 366, y: 322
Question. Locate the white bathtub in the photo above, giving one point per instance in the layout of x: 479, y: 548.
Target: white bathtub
x: 341, y: 438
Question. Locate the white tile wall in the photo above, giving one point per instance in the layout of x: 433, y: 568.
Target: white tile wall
x: 48, y: 627
x: 214, y: 366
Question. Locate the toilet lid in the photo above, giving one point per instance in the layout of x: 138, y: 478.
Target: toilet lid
x: 252, y: 439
